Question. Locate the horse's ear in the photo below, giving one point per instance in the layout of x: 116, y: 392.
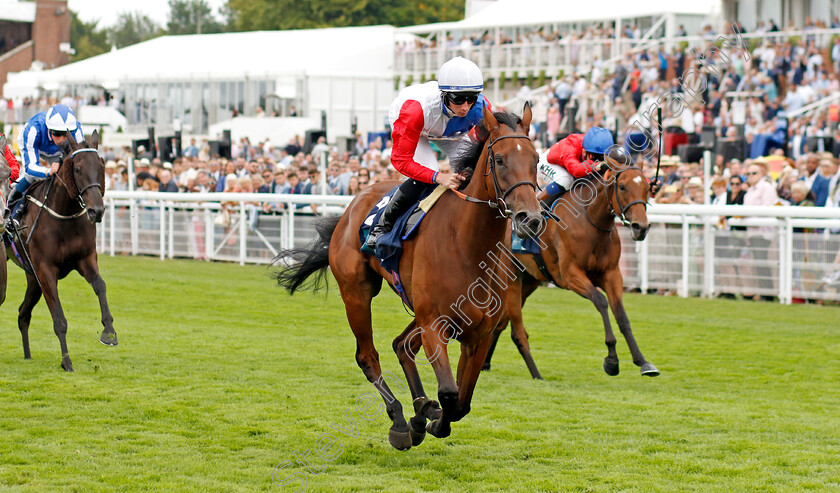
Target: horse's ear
x: 94, y: 140
x: 72, y: 140
x: 3, y: 143
x: 526, y: 118
x: 489, y: 120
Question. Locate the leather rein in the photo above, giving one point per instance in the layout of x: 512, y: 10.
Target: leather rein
x: 499, y: 203
x: 79, y: 198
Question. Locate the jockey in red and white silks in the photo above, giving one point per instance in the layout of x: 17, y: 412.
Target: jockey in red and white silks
x: 448, y: 108
x: 573, y: 157
x: 418, y: 115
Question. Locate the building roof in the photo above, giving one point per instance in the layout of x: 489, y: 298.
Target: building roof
x: 508, y: 13
x: 14, y: 11
x: 334, y: 51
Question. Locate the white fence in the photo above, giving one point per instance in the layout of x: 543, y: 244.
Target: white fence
x: 785, y: 252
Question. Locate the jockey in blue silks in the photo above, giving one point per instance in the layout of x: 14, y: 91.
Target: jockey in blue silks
x: 45, y: 135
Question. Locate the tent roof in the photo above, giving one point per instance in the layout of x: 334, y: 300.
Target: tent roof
x: 12, y: 10
x: 352, y: 50
x: 506, y: 13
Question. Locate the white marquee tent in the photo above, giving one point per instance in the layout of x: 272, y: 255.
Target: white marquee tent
x: 344, y: 71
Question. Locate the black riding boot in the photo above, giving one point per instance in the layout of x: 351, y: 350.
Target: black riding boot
x: 14, y: 197
x: 403, y: 198
x: 549, y: 201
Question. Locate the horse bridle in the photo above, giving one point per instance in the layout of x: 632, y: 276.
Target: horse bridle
x: 499, y: 203
x: 622, y: 208
x: 80, y: 198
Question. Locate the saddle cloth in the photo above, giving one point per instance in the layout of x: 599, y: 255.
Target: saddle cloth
x: 389, y: 246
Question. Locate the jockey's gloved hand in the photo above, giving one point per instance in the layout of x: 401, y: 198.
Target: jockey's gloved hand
x: 655, y: 186
x: 603, y: 167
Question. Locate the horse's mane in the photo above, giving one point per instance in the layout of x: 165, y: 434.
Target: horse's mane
x: 465, y: 158
x: 64, y: 172
x: 590, y: 178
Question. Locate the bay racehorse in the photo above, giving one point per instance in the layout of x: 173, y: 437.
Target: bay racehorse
x: 446, y: 271
x: 581, y: 249
x: 57, y: 235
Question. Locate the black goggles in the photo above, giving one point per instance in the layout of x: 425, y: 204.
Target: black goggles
x: 58, y: 133
x: 462, y: 97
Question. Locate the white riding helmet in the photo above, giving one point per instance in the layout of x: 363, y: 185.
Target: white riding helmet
x: 460, y: 75
x: 60, y: 118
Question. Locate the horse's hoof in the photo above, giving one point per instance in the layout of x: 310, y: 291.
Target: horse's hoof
x: 417, y: 438
x: 417, y: 428
x: 439, y: 428
x: 427, y: 408
x: 109, y: 338
x: 400, y: 440
x: 610, y: 367
x: 648, y: 370
x: 67, y: 365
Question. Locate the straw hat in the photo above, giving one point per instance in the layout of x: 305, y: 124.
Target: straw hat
x: 695, y: 181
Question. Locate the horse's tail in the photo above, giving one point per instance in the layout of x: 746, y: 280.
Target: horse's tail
x: 298, y: 264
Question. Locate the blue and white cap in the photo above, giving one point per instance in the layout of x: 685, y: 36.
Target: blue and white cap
x: 460, y: 75
x: 60, y: 118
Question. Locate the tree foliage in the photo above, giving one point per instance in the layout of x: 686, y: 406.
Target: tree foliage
x: 132, y: 28
x: 251, y: 15
x: 192, y: 17
x: 86, y: 38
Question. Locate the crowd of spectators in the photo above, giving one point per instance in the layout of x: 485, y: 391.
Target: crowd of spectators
x: 260, y: 168
x: 773, y: 80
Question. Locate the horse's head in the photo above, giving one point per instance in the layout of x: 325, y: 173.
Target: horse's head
x: 509, y: 168
x: 83, y: 174
x: 630, y: 192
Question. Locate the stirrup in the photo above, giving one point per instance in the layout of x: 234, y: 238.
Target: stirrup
x: 12, y: 225
x: 373, y: 237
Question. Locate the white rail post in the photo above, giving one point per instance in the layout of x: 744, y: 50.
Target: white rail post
x: 789, y: 287
x: 685, y: 252
x: 134, y: 211
x: 243, y: 229
x: 786, y: 262
x: 209, y: 234
x: 113, y: 210
x: 162, y: 240
x: 291, y: 223
x: 172, y: 230
x: 709, y: 256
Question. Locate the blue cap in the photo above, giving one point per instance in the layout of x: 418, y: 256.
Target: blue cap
x: 597, y: 140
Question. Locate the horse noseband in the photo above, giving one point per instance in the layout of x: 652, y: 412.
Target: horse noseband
x: 80, y: 198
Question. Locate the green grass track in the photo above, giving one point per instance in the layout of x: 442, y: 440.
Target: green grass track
x: 220, y: 377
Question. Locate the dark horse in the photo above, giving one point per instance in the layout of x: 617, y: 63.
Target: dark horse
x: 60, y: 227
x: 581, y: 253
x: 441, y: 267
